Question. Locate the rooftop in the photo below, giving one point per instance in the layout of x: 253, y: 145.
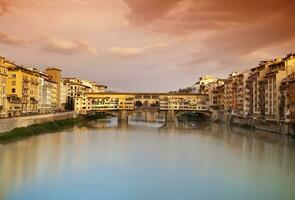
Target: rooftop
x: 147, y: 93
x: 53, y: 68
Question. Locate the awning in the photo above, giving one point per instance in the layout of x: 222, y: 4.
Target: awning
x: 14, y: 99
x: 33, y: 100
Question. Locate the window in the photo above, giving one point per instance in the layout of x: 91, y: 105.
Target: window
x: 13, y: 83
x: 13, y: 76
x: 13, y: 90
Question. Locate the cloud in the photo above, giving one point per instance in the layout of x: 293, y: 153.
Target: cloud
x: 148, y: 11
x: 132, y: 51
x: 57, y: 45
x: 4, y: 6
x: 229, y: 31
x: 191, y: 15
x: 11, y: 40
x: 125, y: 51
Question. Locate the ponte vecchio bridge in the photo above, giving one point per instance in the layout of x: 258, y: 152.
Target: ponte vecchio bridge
x: 125, y: 105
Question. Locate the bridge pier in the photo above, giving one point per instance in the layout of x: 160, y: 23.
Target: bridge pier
x: 170, y: 116
x: 122, y: 116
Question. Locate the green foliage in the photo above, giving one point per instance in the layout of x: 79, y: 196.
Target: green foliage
x: 48, y: 127
x: 98, y: 115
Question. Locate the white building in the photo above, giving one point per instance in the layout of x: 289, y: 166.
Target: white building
x: 199, y: 87
x: 44, y: 97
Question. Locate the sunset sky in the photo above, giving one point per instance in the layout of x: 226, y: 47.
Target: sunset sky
x: 146, y: 45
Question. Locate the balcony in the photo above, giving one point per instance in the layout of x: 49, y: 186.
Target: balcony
x: 33, y: 100
x: 14, y: 99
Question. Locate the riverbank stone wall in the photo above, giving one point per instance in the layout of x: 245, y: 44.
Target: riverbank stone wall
x: 12, y: 123
x: 273, y: 127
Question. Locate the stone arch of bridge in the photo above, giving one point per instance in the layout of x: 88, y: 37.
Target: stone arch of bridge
x: 138, y: 104
x: 205, y: 114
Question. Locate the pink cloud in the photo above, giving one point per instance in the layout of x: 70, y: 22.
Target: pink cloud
x: 228, y: 31
x: 11, y: 40
x: 4, y: 6
x: 133, y: 51
x: 57, y: 45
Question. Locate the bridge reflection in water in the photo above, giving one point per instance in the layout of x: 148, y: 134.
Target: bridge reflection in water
x: 150, y: 118
x: 160, y: 118
x: 145, y: 118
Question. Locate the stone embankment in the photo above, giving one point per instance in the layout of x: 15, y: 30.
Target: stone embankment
x: 273, y: 127
x: 9, y: 124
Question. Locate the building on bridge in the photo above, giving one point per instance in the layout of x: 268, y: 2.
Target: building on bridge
x: 90, y: 102
x: 193, y: 102
x: 76, y: 87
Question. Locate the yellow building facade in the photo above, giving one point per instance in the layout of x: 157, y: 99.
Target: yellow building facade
x: 22, y: 90
x: 100, y: 101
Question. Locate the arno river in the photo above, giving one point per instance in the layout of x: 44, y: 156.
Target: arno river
x: 141, y: 161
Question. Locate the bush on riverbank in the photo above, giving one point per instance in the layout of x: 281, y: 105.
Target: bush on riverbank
x: 48, y: 127
x: 98, y: 115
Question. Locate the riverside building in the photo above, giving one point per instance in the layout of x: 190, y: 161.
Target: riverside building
x: 201, y: 86
x: 189, y: 102
x: 287, y: 99
x: 256, y: 85
x: 3, y: 95
x: 22, y: 90
x: 63, y: 94
x: 55, y: 73
x: 76, y: 87
x: 29, y: 91
x: 278, y: 70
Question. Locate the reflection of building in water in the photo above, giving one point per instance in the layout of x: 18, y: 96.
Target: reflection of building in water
x: 24, y: 162
x: 269, y: 147
x: 148, y: 116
